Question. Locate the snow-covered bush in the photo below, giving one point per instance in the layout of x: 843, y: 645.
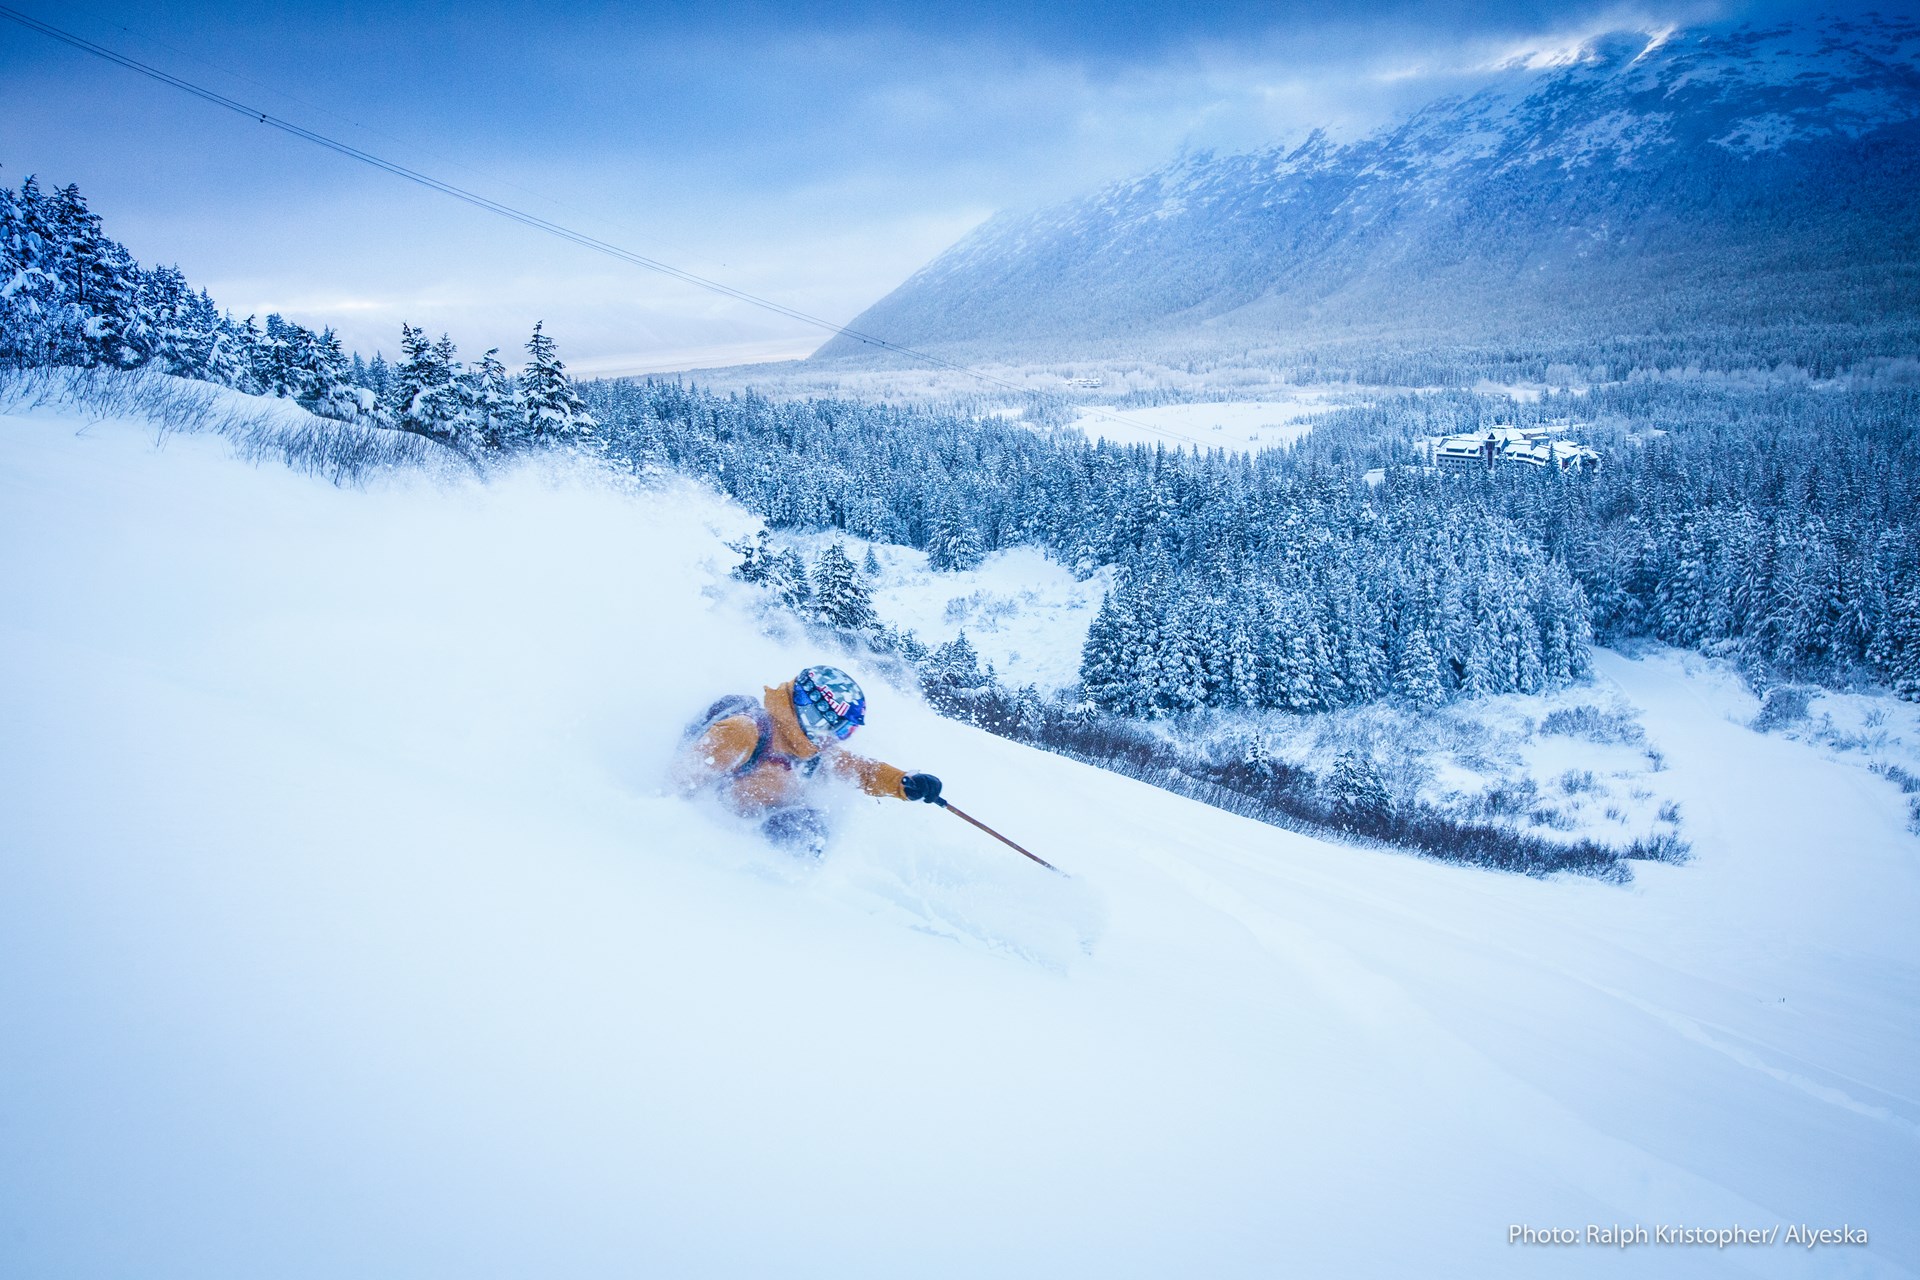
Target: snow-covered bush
x: 1785, y: 706
x: 1593, y: 725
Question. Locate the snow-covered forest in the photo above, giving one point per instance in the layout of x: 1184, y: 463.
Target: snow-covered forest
x: 1769, y: 519
x: 1772, y: 523
x: 75, y: 296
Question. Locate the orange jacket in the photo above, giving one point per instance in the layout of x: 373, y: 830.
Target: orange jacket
x: 778, y: 779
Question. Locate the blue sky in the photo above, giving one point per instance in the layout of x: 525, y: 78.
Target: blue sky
x: 811, y: 153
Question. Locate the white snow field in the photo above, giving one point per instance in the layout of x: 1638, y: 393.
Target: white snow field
x: 346, y: 930
x: 1234, y: 424
x: 1023, y: 612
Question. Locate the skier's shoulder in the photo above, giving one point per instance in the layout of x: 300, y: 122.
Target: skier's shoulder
x: 732, y: 734
x: 733, y: 708
x: 730, y: 741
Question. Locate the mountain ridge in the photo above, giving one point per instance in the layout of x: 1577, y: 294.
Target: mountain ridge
x: 1734, y: 186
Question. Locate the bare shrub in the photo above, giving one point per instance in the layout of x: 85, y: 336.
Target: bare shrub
x: 1268, y: 790
x: 1902, y: 778
x: 1594, y: 725
x: 342, y: 453
x: 1665, y: 847
x: 1509, y: 797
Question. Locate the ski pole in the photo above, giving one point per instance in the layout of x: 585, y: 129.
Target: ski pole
x: 957, y: 812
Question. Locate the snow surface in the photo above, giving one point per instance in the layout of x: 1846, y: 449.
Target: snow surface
x: 345, y: 929
x: 1023, y: 612
x: 1234, y: 424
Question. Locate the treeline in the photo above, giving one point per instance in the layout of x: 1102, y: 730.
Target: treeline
x: 1772, y: 519
x: 1284, y: 580
x: 1343, y: 600
x: 72, y: 296
x: 1244, y: 580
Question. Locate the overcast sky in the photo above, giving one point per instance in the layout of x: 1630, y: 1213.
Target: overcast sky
x: 814, y: 154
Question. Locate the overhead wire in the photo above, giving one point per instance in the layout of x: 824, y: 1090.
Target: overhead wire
x: 537, y: 223
x: 278, y: 91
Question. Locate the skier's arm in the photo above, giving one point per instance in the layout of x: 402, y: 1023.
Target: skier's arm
x: 874, y: 778
x: 725, y: 746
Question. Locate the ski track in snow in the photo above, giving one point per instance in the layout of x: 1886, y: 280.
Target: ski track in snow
x: 346, y: 928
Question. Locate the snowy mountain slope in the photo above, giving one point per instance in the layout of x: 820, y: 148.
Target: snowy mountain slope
x: 1718, y: 184
x: 345, y: 929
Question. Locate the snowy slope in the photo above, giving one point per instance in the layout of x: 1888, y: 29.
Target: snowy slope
x: 345, y: 930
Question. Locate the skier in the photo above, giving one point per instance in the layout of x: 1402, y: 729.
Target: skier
x: 761, y: 756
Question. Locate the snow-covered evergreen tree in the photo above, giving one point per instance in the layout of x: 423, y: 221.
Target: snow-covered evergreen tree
x: 1106, y: 660
x: 1257, y: 754
x: 1355, y: 793
x: 840, y: 598
x: 956, y: 665
x: 1417, y: 677
x: 786, y: 576
x: 954, y: 543
x: 492, y: 402
x: 756, y: 558
x: 426, y: 397
x: 332, y: 393
x: 552, y: 411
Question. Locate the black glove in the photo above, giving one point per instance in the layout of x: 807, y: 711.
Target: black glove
x: 921, y: 786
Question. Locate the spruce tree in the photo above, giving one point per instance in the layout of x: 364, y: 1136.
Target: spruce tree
x: 840, y: 598
x: 1106, y: 660
x: 756, y: 558
x: 165, y: 302
x: 551, y: 408
x: 1355, y: 793
x: 954, y: 543
x: 1899, y: 652
x: 426, y: 399
x: 32, y: 305
x: 333, y: 394
x: 1417, y: 678
x: 13, y: 266
x: 787, y: 577
x: 956, y: 665
x: 493, y: 403
x: 444, y: 403
x: 379, y: 379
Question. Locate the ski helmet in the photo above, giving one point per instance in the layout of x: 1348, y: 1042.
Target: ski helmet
x: 828, y: 702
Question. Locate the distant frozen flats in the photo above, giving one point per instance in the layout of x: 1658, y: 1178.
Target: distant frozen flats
x: 1238, y: 426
